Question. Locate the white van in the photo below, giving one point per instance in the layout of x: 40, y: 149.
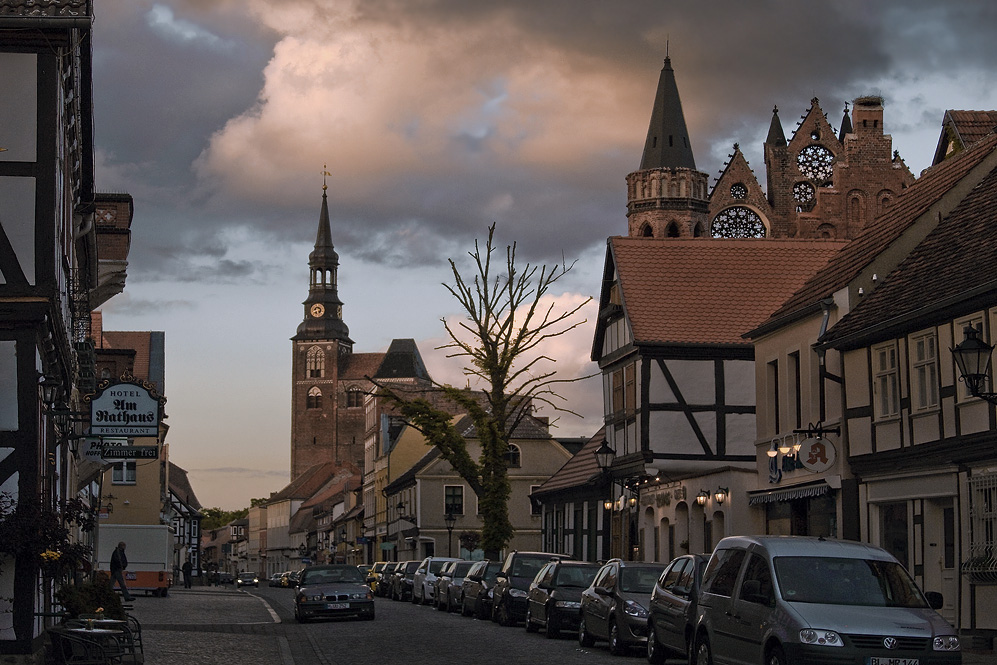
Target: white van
x: 775, y: 600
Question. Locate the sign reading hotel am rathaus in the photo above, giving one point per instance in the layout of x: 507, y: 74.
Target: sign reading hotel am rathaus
x: 126, y: 408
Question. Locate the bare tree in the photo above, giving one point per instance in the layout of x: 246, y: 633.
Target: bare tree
x: 506, y: 323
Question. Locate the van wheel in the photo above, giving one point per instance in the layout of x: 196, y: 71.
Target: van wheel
x: 776, y: 656
x: 584, y: 638
x: 616, y: 646
x: 703, y: 655
x: 655, y: 652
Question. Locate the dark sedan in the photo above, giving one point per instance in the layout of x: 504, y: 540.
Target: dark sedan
x: 333, y: 591
x: 476, y: 591
x: 614, y: 608
x: 554, y: 598
x: 672, y: 612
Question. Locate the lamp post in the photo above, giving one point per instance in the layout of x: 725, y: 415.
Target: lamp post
x: 450, y: 519
x: 604, y: 457
x: 972, y: 357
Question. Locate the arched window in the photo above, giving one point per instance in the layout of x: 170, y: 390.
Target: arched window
x: 672, y: 231
x: 315, y: 364
x: 314, y: 400
x: 738, y: 222
x: 698, y: 231
x: 514, y: 457
x: 354, y: 398
x: 646, y: 231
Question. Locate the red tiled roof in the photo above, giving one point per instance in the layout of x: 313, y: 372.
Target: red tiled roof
x: 907, y: 208
x: 311, y: 481
x: 356, y: 366
x: 578, y: 470
x: 708, y: 291
x: 137, y: 341
x: 943, y: 269
x: 972, y: 126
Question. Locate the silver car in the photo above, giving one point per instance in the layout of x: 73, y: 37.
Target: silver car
x: 789, y: 599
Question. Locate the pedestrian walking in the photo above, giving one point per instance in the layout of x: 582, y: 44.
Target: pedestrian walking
x: 187, y: 568
x: 119, y: 563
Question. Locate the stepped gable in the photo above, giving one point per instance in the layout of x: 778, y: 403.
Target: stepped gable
x: 944, y: 269
x: 907, y: 208
x: 578, y: 471
x: 709, y: 292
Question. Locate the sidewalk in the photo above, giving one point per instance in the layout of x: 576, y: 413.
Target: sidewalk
x: 202, y: 625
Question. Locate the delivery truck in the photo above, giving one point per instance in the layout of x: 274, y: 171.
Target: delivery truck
x: 149, y: 549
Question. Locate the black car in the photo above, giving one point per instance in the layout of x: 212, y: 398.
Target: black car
x: 614, y: 608
x: 512, y: 581
x: 672, y: 610
x: 332, y: 591
x: 554, y: 598
x: 402, y: 580
x: 476, y: 591
x: 385, y: 579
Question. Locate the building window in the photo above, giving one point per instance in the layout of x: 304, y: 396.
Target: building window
x: 513, y: 456
x: 123, y: 473
x: 536, y: 508
x: 772, y: 370
x: 315, y: 363
x: 354, y: 398
x: 453, y: 499
x: 925, y: 371
x: 618, y: 400
x: 981, y: 563
x: 796, y: 386
x: 314, y: 400
x: 886, y: 381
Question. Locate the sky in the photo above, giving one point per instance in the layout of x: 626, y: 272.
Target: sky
x: 436, y: 119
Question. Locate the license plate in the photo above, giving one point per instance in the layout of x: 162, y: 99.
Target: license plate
x: 346, y: 606
x: 874, y: 660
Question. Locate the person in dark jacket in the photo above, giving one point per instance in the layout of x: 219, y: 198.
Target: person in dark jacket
x: 119, y: 562
x: 188, y: 568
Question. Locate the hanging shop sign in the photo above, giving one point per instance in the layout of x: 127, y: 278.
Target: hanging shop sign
x: 128, y: 407
x: 816, y: 454
x: 102, y: 450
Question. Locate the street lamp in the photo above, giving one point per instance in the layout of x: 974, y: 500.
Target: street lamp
x: 702, y: 497
x: 450, y: 519
x: 972, y: 356
x: 604, y: 457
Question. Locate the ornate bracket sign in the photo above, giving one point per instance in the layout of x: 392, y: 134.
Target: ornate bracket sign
x: 127, y: 408
x: 817, y: 454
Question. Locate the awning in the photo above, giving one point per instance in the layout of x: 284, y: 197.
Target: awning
x: 788, y: 493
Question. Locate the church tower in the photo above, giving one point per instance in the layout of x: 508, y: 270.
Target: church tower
x: 321, y: 344
x: 667, y: 197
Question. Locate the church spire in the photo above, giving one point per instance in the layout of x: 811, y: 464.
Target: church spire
x: 846, y: 125
x: 776, y: 136
x: 323, y: 308
x: 667, y: 144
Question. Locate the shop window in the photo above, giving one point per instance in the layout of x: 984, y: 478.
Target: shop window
x: 981, y: 564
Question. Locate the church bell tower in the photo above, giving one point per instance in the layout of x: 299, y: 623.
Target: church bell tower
x: 321, y: 341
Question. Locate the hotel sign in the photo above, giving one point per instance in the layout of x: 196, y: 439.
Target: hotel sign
x: 127, y: 409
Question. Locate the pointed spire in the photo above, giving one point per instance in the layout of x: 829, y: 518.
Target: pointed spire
x: 846, y: 125
x: 324, y: 252
x: 667, y: 144
x: 776, y: 136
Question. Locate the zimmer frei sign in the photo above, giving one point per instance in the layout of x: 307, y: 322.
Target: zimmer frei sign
x: 127, y: 409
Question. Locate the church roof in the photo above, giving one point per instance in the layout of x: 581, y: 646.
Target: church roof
x: 402, y: 361
x: 358, y: 366
x: 776, y: 135
x: 907, y: 208
x: 680, y: 291
x: 324, y: 253
x: 667, y: 144
x: 941, y: 272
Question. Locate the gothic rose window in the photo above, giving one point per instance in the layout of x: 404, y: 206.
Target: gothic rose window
x: 738, y: 191
x: 816, y: 163
x: 738, y: 222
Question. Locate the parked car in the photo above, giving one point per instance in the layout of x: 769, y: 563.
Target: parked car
x: 364, y: 569
x: 424, y: 580
x: 384, y: 579
x: 449, y: 585
x: 476, y: 591
x: 614, y: 608
x: 374, y: 575
x: 512, y: 581
x: 401, y: 588
x: 671, y: 615
x: 553, y: 600
x: 247, y: 579
x: 810, y: 600
x: 336, y: 590
x: 226, y: 578
x: 274, y: 580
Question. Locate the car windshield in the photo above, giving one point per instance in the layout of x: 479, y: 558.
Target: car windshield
x: 639, y: 580
x: 529, y: 566
x: 576, y: 576
x: 331, y: 576
x: 411, y: 567
x: 436, y: 566
x: 840, y: 581
x: 461, y: 569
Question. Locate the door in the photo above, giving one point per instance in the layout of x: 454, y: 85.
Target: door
x: 940, y: 558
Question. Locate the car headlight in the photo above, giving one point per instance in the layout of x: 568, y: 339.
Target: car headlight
x: 517, y: 593
x: 305, y: 597
x: 824, y: 638
x: 946, y: 643
x: 634, y: 609
x: 568, y: 604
